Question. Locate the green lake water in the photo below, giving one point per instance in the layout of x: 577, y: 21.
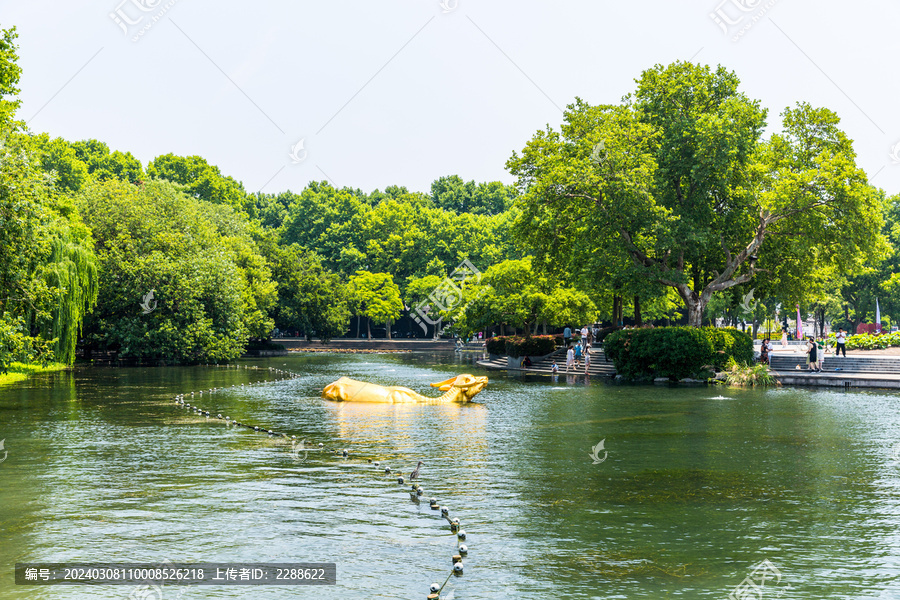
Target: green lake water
x: 699, y: 485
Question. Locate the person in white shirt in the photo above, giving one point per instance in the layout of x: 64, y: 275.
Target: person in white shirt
x: 841, y: 339
x: 584, y: 337
x: 570, y: 358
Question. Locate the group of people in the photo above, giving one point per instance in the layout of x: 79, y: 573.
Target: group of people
x: 573, y: 358
x: 588, y: 334
x: 816, y: 348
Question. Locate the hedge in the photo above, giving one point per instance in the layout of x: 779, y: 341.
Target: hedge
x: 516, y: 346
x: 601, y: 334
x: 675, y: 352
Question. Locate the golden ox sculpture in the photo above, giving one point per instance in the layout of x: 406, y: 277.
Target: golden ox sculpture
x: 461, y: 388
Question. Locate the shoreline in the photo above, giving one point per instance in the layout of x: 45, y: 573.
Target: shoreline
x: 21, y: 371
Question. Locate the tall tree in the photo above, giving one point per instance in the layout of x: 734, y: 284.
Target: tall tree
x: 679, y: 180
x: 376, y: 297
x: 201, y: 180
x: 311, y: 299
x: 180, y: 280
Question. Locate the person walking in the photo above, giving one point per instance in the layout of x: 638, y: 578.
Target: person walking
x: 587, y: 359
x: 841, y: 339
x: 577, y: 356
x: 764, y: 352
x: 784, y: 339
x: 584, y: 337
x: 570, y: 358
x: 567, y: 335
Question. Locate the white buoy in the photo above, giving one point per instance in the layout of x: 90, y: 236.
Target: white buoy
x: 463, y: 549
x: 461, y: 534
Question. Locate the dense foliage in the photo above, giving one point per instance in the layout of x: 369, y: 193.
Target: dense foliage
x: 677, y: 188
x: 661, y: 206
x: 48, y: 273
x: 675, y: 352
x: 211, y: 289
x: 516, y: 346
x: 867, y: 341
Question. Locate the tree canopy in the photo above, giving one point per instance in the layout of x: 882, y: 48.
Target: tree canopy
x: 677, y: 188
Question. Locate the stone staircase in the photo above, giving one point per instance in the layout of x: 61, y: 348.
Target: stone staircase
x: 599, y: 366
x: 850, y: 364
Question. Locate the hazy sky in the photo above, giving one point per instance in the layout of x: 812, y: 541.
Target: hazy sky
x: 403, y: 92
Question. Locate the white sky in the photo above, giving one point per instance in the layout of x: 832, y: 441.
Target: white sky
x: 402, y: 92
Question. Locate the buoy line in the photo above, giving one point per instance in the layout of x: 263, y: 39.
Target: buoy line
x: 416, y: 490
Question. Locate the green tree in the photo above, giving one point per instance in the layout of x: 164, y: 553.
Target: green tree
x: 48, y: 274
x: 678, y: 180
x: 201, y: 180
x: 210, y: 289
x: 10, y: 71
x: 311, y: 299
x: 376, y: 297
x: 511, y: 293
x: 104, y: 165
x: 453, y: 194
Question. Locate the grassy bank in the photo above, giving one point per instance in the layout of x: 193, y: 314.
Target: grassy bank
x: 19, y: 371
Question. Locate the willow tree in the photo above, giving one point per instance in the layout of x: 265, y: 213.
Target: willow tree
x: 678, y: 180
x: 71, y: 275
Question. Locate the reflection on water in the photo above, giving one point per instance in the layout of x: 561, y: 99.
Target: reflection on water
x: 698, y: 486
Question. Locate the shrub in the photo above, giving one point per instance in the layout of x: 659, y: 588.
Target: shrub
x: 752, y: 375
x: 496, y: 345
x: 675, y: 352
x: 730, y: 343
x: 536, y: 345
x: 866, y: 341
x: 516, y: 346
x: 601, y: 334
x: 865, y: 328
x: 16, y: 346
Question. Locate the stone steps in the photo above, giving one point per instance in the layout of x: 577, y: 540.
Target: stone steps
x: 851, y: 364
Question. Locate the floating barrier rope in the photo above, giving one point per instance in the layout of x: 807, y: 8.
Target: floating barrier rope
x: 416, y: 490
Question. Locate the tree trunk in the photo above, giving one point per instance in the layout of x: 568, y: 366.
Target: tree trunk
x: 637, y: 312
x: 615, y: 311
x: 387, y: 329
x: 358, y: 318
x: 545, y: 326
x: 695, y: 315
x: 369, y: 327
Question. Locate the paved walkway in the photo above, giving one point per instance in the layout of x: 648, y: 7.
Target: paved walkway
x: 838, y: 379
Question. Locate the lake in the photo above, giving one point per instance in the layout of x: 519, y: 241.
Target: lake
x: 692, y: 489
